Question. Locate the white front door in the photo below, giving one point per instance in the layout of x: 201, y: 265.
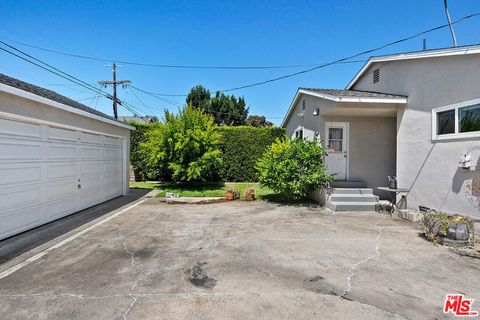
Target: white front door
x: 336, y: 138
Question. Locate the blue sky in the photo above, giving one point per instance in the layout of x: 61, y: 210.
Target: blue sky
x: 217, y: 33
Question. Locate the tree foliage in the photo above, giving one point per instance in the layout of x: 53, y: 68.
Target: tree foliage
x: 292, y: 168
x: 184, y: 147
x: 225, y: 109
x: 258, y: 121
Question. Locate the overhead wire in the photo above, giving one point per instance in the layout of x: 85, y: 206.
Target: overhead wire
x: 47, y: 67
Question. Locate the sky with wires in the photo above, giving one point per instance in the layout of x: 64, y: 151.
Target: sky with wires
x: 167, y: 47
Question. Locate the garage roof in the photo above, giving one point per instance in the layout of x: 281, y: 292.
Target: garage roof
x: 56, y: 97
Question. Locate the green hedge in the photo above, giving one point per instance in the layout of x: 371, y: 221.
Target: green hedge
x: 242, y: 147
x: 136, y: 155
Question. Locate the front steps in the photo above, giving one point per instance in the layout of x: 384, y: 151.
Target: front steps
x: 352, y: 199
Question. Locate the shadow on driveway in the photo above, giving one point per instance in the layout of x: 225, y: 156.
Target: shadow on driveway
x: 16, y: 245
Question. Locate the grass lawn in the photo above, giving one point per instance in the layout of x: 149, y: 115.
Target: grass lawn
x: 215, y: 189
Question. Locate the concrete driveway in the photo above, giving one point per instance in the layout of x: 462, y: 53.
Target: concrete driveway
x: 239, y: 260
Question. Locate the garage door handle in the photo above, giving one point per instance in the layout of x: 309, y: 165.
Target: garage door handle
x: 79, y: 186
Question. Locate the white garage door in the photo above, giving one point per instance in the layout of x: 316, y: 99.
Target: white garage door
x: 47, y: 173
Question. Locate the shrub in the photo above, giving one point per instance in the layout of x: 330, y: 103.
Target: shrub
x: 242, y: 147
x: 435, y: 225
x: 137, y: 156
x: 292, y: 168
x: 184, y: 147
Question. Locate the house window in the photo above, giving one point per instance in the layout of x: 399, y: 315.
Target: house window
x: 446, y: 122
x: 469, y: 118
x: 303, y: 104
x: 335, y: 139
x: 457, y: 121
x: 299, y: 134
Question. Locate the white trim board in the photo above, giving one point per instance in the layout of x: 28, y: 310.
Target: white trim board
x: 33, y: 97
x: 321, y: 95
x: 414, y: 55
x: 457, y: 134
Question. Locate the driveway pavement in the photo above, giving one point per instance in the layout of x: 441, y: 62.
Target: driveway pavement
x: 239, y: 260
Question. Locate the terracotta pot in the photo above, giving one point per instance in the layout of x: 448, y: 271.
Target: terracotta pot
x: 229, y: 196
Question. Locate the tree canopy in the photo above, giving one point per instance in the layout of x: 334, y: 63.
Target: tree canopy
x: 225, y: 109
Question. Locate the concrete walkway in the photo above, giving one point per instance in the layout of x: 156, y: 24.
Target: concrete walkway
x: 240, y: 260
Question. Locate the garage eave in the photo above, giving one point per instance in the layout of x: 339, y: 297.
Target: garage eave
x: 33, y: 97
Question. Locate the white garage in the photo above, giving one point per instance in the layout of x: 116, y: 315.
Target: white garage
x: 57, y: 156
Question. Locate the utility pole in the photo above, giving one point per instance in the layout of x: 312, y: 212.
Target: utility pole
x: 114, y: 83
x: 454, y: 39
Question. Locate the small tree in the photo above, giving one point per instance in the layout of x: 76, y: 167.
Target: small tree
x: 258, y: 121
x: 292, y: 168
x: 184, y: 148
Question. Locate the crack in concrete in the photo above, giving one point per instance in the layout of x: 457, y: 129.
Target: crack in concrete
x: 358, y: 264
x: 133, y: 264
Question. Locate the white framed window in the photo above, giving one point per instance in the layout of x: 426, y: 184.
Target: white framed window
x: 299, y: 133
x: 456, y: 121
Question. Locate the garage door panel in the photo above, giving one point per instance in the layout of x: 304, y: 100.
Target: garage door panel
x: 60, y: 208
x: 19, y: 129
x: 62, y: 170
x: 61, y: 189
x: 62, y: 152
x: 19, y: 174
x: 19, y: 150
x: 90, y: 138
x: 13, y: 222
x: 112, y: 153
x: 90, y: 168
x: 89, y: 183
x: 110, y: 141
x: 62, y: 134
x: 90, y: 153
x: 20, y: 196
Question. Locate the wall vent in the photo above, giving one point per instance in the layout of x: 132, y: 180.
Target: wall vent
x: 376, y: 75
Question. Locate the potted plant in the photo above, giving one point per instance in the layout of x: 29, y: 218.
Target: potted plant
x: 230, y: 195
x: 250, y: 194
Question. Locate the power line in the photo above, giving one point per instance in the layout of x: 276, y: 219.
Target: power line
x: 45, y: 66
x: 334, y: 62
x: 171, y: 66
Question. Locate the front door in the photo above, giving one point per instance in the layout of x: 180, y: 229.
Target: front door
x: 336, y: 160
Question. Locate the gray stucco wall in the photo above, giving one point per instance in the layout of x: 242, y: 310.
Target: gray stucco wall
x: 23, y: 107
x: 430, y: 168
x: 372, y: 154
x: 372, y: 140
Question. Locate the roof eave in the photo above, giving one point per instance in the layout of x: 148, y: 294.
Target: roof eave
x: 33, y: 97
x: 416, y: 55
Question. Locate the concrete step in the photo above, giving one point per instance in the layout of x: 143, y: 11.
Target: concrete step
x: 348, y: 184
x: 352, y: 197
x: 352, y: 206
x: 352, y: 191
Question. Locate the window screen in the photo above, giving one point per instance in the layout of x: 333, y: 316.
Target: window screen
x: 469, y: 118
x: 446, y: 122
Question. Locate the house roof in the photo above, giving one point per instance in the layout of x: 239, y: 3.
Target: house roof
x: 432, y: 53
x: 32, y: 90
x: 338, y: 95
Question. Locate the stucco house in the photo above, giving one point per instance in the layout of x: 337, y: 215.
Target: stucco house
x: 57, y: 156
x: 410, y: 115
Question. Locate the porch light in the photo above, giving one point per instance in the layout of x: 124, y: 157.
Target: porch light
x: 316, y: 112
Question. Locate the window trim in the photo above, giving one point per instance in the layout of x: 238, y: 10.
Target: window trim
x: 457, y: 134
x: 300, y: 129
